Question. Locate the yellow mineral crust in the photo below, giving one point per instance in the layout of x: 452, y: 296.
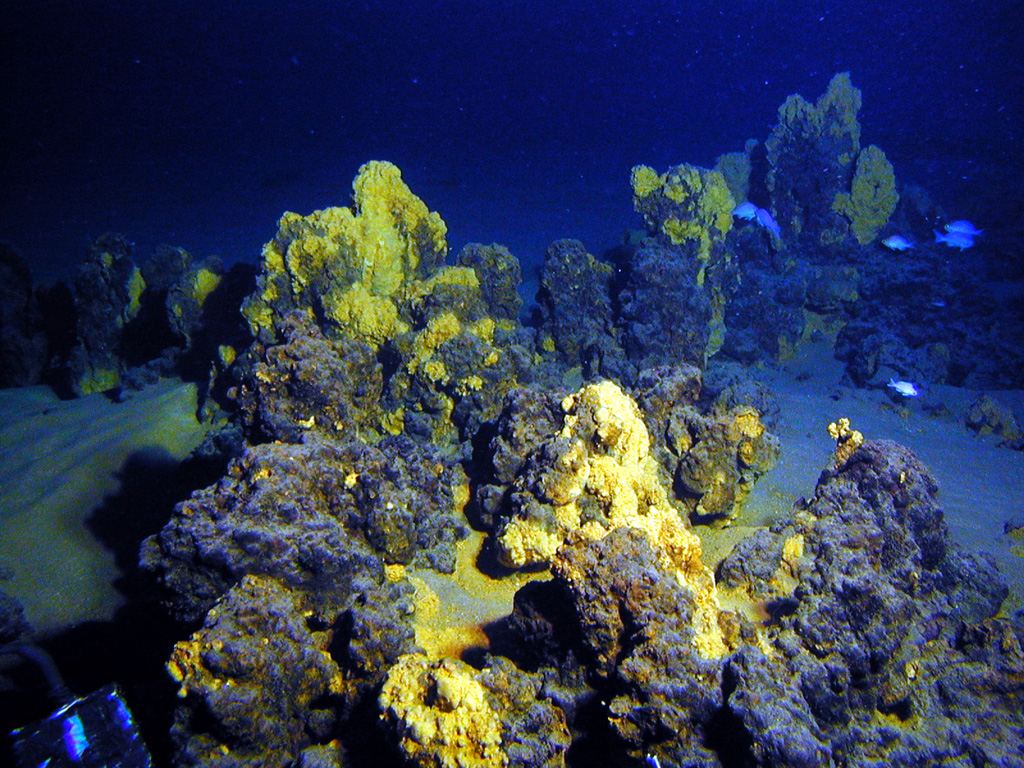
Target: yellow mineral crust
x: 440, y: 328
x: 525, y: 543
x: 847, y: 440
x: 872, y: 198
x: 746, y: 423
x: 98, y: 380
x: 392, y: 223
x: 702, y: 197
x: 355, y: 262
x: 464, y: 276
x: 136, y: 287
x: 200, y: 284
x: 609, y: 464
x: 362, y: 315
x: 612, y: 420
x: 786, y: 576
x: 645, y: 181
x: 186, y: 665
x: 442, y: 714
x: 793, y: 551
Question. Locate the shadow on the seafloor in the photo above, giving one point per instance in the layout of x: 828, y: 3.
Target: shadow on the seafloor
x: 152, y: 482
x: 132, y: 647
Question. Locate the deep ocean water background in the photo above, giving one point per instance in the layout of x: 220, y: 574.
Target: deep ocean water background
x: 198, y: 124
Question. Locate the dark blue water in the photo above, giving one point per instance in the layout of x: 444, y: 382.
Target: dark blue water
x: 198, y: 123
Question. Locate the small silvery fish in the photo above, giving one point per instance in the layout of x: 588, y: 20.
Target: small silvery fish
x: 963, y: 226
x: 897, y: 243
x: 905, y: 388
x: 766, y: 220
x: 954, y: 239
x: 745, y: 211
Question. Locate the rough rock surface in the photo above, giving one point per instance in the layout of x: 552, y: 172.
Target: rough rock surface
x: 446, y: 714
x: 316, y: 515
x: 713, y: 455
x: 576, y: 313
x: 309, y: 384
x: 269, y: 677
x: 883, y: 636
x: 854, y: 633
x: 665, y: 315
x: 873, y: 639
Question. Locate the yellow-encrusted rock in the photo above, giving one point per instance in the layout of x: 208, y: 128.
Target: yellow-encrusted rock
x: 442, y: 714
x: 359, y: 314
x: 847, y: 440
x: 692, y: 207
x: 685, y: 203
x: 603, y: 480
x: 872, y: 197
x: 374, y: 273
x: 354, y: 263
x: 204, y: 282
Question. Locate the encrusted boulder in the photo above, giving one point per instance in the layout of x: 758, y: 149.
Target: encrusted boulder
x: 880, y: 628
x: 374, y: 274
x: 822, y: 185
x: 714, y: 456
x: 576, y: 319
x: 106, y: 294
x: 665, y: 315
x: 636, y: 623
x: 499, y: 274
x: 689, y: 209
x: 446, y: 714
x: 271, y: 673
x: 317, y: 515
x: 308, y: 384
x: 596, y: 475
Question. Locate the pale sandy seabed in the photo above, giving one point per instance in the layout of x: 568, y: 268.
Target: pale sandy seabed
x: 59, y: 460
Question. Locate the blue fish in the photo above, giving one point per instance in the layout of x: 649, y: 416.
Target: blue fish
x: 954, y: 239
x: 766, y: 220
x: 905, y: 388
x: 746, y: 211
x: 897, y: 243
x: 963, y: 226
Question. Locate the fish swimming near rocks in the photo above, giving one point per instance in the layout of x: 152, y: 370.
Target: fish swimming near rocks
x: 745, y: 211
x: 964, y: 226
x: 954, y: 239
x: 766, y: 220
x: 897, y: 243
x: 905, y: 388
